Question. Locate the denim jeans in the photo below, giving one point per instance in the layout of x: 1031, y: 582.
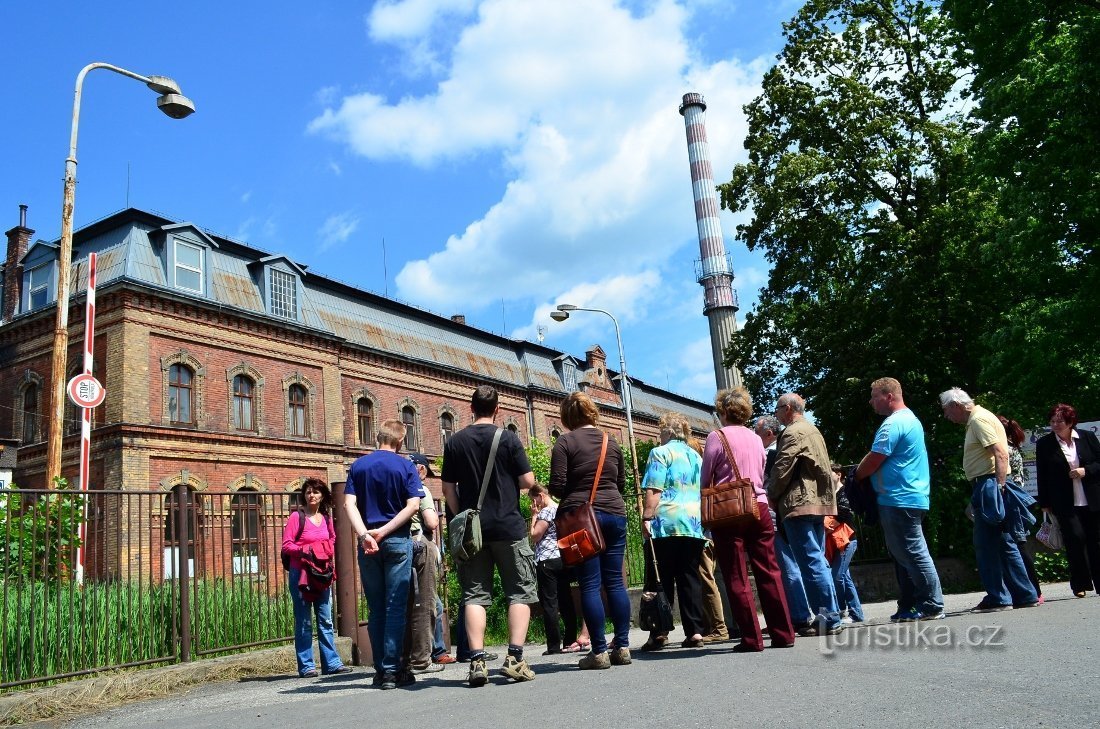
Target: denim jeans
x: 846, y: 596
x: 806, y: 537
x: 606, y: 571
x: 385, y: 576
x: 795, y: 593
x: 1000, y: 566
x: 439, y: 648
x: 905, y: 540
x: 303, y: 629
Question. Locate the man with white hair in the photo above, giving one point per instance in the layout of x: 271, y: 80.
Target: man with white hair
x: 985, y: 463
x: 800, y: 490
x: 897, y: 465
x: 768, y: 428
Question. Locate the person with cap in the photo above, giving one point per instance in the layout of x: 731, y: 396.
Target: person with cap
x: 420, y: 624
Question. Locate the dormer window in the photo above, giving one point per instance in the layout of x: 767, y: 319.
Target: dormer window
x: 569, y: 375
x: 38, y: 286
x: 284, y: 294
x: 187, y: 269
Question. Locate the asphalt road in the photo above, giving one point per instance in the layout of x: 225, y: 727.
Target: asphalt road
x: 1022, y: 668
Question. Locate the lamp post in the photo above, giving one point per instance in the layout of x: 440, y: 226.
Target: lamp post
x: 561, y: 314
x: 175, y: 105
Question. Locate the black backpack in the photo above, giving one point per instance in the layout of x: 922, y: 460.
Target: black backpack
x: 861, y: 498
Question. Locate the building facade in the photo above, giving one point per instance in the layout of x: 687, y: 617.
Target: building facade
x: 240, y: 373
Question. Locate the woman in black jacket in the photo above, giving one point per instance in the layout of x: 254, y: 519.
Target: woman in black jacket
x: 1067, y: 464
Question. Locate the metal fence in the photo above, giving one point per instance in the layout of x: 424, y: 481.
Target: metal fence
x: 166, y: 576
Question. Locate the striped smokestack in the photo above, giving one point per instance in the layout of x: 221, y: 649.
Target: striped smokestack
x: 713, y: 268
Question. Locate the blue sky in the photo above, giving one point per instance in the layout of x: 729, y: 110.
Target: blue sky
x: 512, y: 154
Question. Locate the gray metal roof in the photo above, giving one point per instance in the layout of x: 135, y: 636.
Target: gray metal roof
x: 126, y: 247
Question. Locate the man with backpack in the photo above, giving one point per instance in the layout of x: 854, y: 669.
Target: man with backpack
x: 381, y: 495
x: 467, y: 456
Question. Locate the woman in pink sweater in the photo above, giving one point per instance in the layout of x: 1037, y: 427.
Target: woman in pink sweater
x: 311, y: 523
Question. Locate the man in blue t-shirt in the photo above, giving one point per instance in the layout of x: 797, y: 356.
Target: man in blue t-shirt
x: 380, y: 497
x: 898, y: 468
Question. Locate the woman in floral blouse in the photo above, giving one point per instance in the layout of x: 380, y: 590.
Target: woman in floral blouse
x: 672, y: 519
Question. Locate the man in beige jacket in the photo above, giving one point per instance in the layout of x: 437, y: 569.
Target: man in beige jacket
x: 800, y: 489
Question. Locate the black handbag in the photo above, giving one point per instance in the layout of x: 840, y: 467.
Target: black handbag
x: 654, y: 610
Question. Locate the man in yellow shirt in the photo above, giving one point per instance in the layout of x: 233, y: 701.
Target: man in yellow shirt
x: 985, y: 463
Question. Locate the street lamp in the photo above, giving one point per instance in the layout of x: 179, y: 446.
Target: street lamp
x: 175, y: 105
x: 561, y: 314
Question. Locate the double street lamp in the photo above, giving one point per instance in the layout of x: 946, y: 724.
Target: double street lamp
x: 175, y: 105
x: 561, y: 314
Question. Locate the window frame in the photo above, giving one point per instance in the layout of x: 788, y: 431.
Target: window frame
x: 410, y: 442
x: 302, y: 407
x: 177, y: 264
x: 277, y: 304
x: 365, y: 437
x: 179, y: 387
x: 237, y: 400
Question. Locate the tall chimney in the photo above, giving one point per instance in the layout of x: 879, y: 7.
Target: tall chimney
x: 19, y: 239
x: 713, y: 268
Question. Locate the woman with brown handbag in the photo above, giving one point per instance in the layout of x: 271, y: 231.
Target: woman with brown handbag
x: 586, y: 467
x: 754, y: 539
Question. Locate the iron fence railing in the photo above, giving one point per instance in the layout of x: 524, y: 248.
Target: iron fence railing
x: 166, y: 576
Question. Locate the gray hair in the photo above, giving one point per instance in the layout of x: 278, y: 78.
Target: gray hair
x: 793, y: 400
x: 955, y: 395
x: 769, y: 423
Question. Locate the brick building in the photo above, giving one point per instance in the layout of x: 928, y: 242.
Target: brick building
x: 237, y: 372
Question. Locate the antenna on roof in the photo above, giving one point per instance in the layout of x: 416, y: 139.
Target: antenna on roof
x: 127, y: 184
x: 385, y: 271
x: 541, y: 332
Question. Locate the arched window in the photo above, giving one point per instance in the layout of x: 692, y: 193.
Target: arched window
x: 180, y: 411
x: 408, y: 417
x: 176, y: 548
x: 512, y: 427
x: 245, y: 529
x: 30, y: 414
x: 554, y: 435
x: 243, y: 389
x: 297, y: 410
x: 446, y: 427
x: 364, y: 421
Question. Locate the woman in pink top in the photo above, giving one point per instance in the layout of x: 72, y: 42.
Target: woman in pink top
x: 755, y: 540
x: 311, y: 523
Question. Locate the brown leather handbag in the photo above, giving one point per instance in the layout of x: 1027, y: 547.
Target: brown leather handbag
x: 583, y: 539
x: 730, y: 503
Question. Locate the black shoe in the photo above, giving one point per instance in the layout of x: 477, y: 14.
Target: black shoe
x: 404, y: 677
x: 388, y: 681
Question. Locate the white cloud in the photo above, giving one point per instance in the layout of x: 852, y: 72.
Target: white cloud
x: 410, y: 19
x: 618, y: 294
x: 245, y: 197
x: 334, y: 168
x: 579, y: 99
x: 337, y: 229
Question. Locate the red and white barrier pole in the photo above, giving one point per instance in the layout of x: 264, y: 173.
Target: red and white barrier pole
x: 86, y: 415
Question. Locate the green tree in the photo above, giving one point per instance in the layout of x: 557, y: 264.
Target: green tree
x: 857, y: 188
x: 1037, y: 83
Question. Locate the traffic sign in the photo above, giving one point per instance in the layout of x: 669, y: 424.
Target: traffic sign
x: 86, y: 391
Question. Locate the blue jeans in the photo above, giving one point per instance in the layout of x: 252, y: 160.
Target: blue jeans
x: 606, y: 571
x: 1000, y: 566
x: 806, y: 537
x: 797, y: 603
x: 846, y: 596
x: 438, y: 646
x: 303, y: 629
x: 905, y: 540
x: 385, y: 576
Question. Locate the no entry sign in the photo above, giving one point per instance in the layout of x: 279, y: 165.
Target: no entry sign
x: 86, y: 391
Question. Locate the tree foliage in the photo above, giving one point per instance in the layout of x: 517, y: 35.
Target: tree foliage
x: 857, y: 187
x: 1037, y: 84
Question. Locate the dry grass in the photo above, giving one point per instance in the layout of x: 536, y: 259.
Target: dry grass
x: 109, y: 690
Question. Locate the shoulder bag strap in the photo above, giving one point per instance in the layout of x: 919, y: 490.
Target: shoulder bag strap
x: 599, y: 470
x: 489, y: 467
x: 729, y: 455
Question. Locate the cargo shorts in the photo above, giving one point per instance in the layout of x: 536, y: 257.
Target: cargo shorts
x: 516, y: 563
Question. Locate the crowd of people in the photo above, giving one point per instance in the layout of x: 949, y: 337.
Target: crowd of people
x: 799, y: 539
